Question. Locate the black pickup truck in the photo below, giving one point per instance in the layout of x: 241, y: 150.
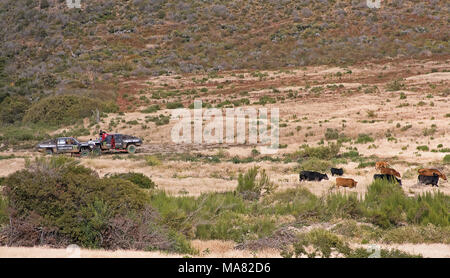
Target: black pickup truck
x: 65, y: 145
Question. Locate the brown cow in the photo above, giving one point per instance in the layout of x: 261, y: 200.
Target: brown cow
x: 344, y: 182
x: 381, y: 164
x: 430, y: 172
x: 390, y: 171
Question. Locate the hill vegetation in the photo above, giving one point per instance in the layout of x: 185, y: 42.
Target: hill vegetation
x: 46, y: 48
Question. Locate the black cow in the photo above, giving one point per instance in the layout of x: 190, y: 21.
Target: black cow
x: 387, y: 177
x: 433, y: 180
x: 312, y: 176
x: 337, y: 171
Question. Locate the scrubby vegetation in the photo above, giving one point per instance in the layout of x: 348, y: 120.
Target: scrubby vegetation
x: 252, y: 187
x: 65, y: 109
x: 57, y: 202
x: 446, y: 159
x: 215, y: 36
x: 324, y: 244
x: 139, y: 179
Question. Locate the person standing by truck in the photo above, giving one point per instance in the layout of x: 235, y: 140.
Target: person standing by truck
x: 113, y: 142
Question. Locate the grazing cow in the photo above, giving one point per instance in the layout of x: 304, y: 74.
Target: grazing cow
x: 344, y: 182
x: 312, y: 176
x: 337, y: 171
x: 390, y: 171
x: 390, y: 178
x: 433, y: 180
x: 381, y: 164
x: 431, y: 172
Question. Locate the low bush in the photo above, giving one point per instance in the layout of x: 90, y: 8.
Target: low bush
x: 139, y: 179
x: 446, y: 159
x: 395, y: 85
x: 324, y: 244
x: 341, y: 205
x: 174, y: 105
x: 12, y: 109
x: 385, y: 204
x: 64, y: 109
x: 363, y: 139
x: 417, y: 234
x: 56, y: 202
x: 151, y: 109
x: 152, y: 160
x: 315, y: 164
x: 252, y: 187
x: 423, y: 148
x: 322, y: 152
x: 3, y: 211
x: 18, y: 133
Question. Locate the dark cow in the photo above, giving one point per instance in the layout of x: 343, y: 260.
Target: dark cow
x: 312, y: 176
x: 390, y: 178
x: 433, y: 180
x: 337, y: 171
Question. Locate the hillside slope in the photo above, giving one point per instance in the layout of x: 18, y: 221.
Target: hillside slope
x: 48, y: 47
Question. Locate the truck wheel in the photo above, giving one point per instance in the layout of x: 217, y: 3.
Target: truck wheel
x: 84, y: 152
x: 49, y: 151
x: 131, y: 149
x: 97, y: 151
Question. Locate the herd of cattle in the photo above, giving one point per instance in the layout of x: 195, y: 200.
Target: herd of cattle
x: 426, y: 176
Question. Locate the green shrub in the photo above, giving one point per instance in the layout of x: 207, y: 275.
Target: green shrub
x: 383, y: 253
x: 429, y: 131
x: 395, y: 85
x: 139, y: 179
x: 158, y: 120
x: 56, y: 201
x: 363, y: 139
x: 265, y: 99
x: 323, y: 243
x: 385, y: 203
x: 252, y: 187
x: 15, y: 134
x: 429, y: 208
x: 223, y: 216
x: 12, y: 109
x: 174, y: 105
x: 341, y: 205
x: 423, y: 148
x: 151, y: 109
x: 331, y: 134
x: 152, y: 160
x: 322, y: 152
x: 446, y: 159
x: 417, y: 234
x: 3, y: 210
x: 365, y: 164
x: 297, y: 201
x: 315, y: 164
x: 236, y: 227
x: 63, y: 109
